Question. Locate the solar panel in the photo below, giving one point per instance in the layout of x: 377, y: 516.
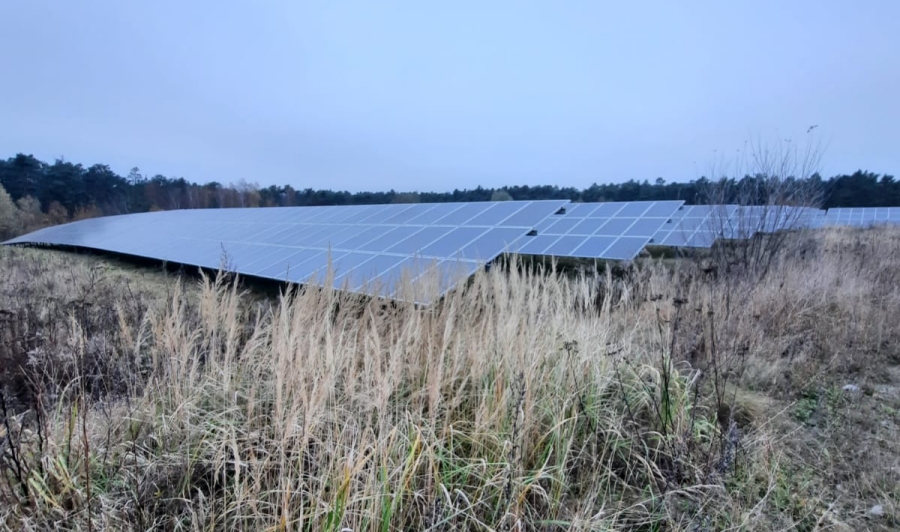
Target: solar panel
x: 696, y: 226
x: 609, y: 230
x: 862, y: 216
x: 368, y: 248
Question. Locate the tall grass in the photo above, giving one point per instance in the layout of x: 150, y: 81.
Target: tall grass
x: 523, y: 401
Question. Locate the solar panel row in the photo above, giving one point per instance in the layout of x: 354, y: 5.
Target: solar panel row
x: 368, y: 249
x: 695, y: 226
x: 862, y: 216
x: 750, y: 220
x: 665, y: 223
x: 616, y: 230
x: 813, y: 218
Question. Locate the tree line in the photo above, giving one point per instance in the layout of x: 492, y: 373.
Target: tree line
x: 39, y: 193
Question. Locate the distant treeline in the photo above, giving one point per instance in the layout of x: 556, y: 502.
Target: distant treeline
x: 62, y: 191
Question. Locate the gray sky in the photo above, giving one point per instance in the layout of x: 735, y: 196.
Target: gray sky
x: 434, y: 96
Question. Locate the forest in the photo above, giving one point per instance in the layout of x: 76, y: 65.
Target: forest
x: 38, y: 193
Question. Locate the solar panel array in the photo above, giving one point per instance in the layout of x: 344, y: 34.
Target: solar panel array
x: 368, y: 248
x: 862, y: 216
x: 376, y: 249
x: 615, y: 230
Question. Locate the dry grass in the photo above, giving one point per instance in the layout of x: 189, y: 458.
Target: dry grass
x: 665, y: 399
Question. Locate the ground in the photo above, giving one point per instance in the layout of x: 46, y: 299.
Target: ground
x: 654, y: 397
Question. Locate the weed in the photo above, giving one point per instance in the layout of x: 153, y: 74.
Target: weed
x: 805, y: 408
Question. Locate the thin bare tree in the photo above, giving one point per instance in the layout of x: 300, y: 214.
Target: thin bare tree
x: 766, y: 193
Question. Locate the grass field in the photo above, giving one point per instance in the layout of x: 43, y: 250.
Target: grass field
x: 671, y: 396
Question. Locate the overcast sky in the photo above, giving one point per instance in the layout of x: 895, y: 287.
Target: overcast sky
x: 438, y: 95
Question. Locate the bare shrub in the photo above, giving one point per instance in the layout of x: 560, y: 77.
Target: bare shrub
x: 773, y: 185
